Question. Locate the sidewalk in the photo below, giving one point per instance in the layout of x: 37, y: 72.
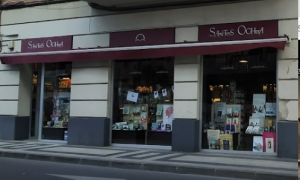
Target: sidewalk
x: 212, y: 164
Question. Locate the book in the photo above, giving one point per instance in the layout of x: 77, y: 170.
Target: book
x: 235, y: 121
x: 236, y: 112
x: 213, y: 137
x: 226, y: 142
x: 259, y: 105
x: 229, y: 112
x: 257, y: 144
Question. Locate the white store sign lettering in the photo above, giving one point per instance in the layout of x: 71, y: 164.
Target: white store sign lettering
x: 47, y: 44
x: 242, y: 30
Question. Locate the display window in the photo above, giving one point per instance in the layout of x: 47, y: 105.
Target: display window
x: 57, y: 92
x: 239, y: 101
x: 143, y: 101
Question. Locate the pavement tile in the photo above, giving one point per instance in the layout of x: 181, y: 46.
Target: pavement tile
x: 38, y: 157
x: 235, y: 162
x: 126, y: 165
x: 236, y: 174
x: 91, y: 162
x: 212, y: 164
x: 102, y: 152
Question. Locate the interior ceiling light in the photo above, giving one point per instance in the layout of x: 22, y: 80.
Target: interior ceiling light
x: 243, y: 61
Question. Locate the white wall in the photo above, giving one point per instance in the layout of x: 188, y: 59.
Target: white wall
x: 90, y: 41
x: 25, y: 90
x: 15, y: 90
x: 9, y: 80
x: 288, y: 73
x: 186, y: 87
x: 89, y: 90
x: 80, y: 23
x: 69, y: 10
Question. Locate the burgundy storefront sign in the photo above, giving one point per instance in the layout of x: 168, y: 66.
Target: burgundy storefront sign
x: 143, y: 37
x: 47, y: 44
x: 238, y: 31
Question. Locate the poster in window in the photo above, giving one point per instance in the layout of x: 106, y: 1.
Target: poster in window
x: 220, y: 112
x: 226, y: 141
x: 236, y: 112
x: 154, y: 126
x: 168, y: 112
x: 269, y: 142
x: 126, y: 110
x: 155, y: 94
x: 164, y: 92
x: 228, y: 121
x: 132, y: 96
x: 226, y: 144
x: 159, y: 111
x: 229, y: 112
x: 213, y: 137
x: 143, y: 115
x: 235, y: 121
x: 168, y: 116
x: 258, y: 107
x: 270, y: 109
x: 137, y: 110
x: 269, y: 139
x: 257, y: 144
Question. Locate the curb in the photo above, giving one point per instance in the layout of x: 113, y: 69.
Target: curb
x: 230, y: 173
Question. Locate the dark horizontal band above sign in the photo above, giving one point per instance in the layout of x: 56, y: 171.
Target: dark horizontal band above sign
x: 142, y: 37
x: 238, y: 31
x: 47, y: 44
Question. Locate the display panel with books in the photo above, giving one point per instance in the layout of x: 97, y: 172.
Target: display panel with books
x: 227, y: 119
x: 143, y: 102
x: 239, y: 100
x: 147, y: 116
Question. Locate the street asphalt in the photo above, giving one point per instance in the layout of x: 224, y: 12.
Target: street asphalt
x: 18, y: 169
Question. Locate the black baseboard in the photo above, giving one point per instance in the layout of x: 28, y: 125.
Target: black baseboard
x: 287, y: 139
x: 14, y: 128
x: 89, y: 131
x: 185, y: 135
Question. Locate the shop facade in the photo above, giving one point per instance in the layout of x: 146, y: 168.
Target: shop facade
x: 207, y: 84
